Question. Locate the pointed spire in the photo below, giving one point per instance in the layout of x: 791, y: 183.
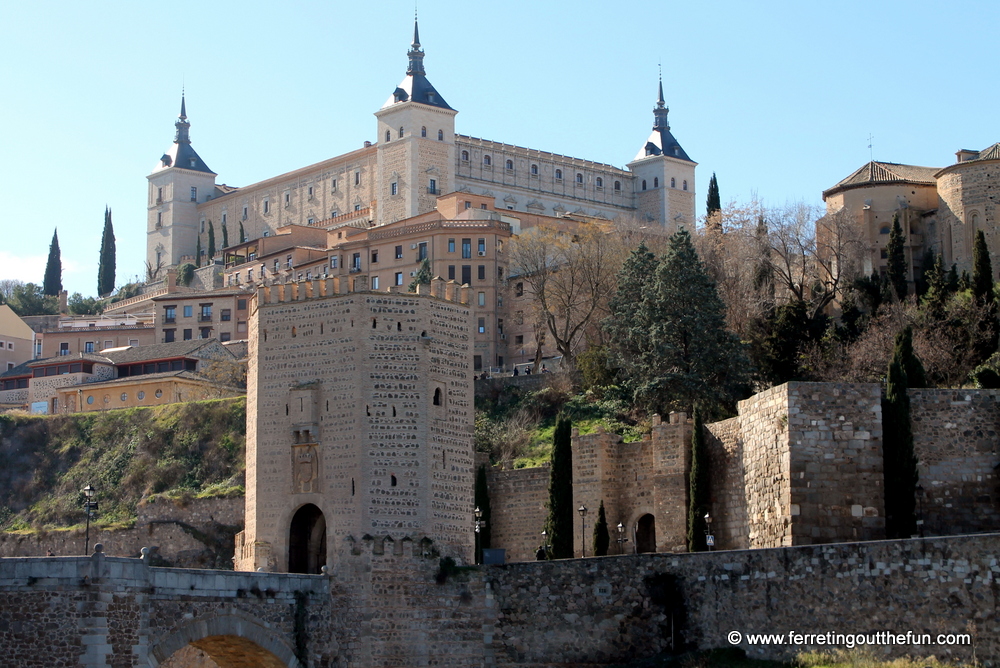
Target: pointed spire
x: 182, y: 125
x: 183, y: 110
x: 415, y: 54
x: 659, y: 100
x: 661, y: 110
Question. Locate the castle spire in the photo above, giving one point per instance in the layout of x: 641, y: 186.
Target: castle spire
x: 182, y: 125
x: 415, y: 54
x: 661, y: 111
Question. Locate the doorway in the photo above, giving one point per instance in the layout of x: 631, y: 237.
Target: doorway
x: 307, y: 541
x: 645, y: 534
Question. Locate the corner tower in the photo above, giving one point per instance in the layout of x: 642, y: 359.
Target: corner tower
x: 180, y: 180
x: 664, y: 175
x: 416, y: 144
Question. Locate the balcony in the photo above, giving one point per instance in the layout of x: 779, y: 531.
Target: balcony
x: 169, y: 320
x: 355, y: 270
x: 204, y: 317
x: 433, y: 191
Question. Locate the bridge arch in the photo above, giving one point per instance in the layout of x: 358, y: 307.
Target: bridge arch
x: 230, y: 640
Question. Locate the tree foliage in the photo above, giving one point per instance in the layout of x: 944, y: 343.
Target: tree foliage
x: 185, y: 274
x: 243, y: 234
x: 106, y: 265
x: 900, y: 462
x: 197, y: 252
x: 602, y: 538
x: 560, y: 519
x: 697, y: 487
x: 52, y: 284
x: 896, y: 262
x: 30, y: 299
x: 713, y: 204
x: 211, y: 241
x: 423, y: 277
x: 225, y: 236
x: 80, y: 305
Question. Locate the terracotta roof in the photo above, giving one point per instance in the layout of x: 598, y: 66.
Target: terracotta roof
x: 159, y: 351
x: 69, y: 359
x: 877, y: 173
x: 126, y: 380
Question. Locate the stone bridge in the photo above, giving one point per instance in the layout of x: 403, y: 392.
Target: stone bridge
x: 114, y: 611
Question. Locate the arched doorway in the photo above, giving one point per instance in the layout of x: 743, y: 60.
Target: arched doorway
x: 307, y: 540
x: 223, y: 641
x: 222, y: 652
x: 645, y: 534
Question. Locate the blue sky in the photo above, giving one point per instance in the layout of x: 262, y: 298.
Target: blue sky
x: 777, y: 98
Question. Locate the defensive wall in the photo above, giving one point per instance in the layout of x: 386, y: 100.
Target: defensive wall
x: 396, y: 605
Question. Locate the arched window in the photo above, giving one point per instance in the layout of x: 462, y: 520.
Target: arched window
x: 437, y: 396
x: 673, y: 182
x: 388, y: 136
x: 599, y: 182
x: 423, y: 131
x: 644, y: 184
x: 440, y: 135
x: 618, y: 185
x: 656, y: 181
x: 509, y: 164
x: 400, y: 133
x: 534, y: 170
x: 465, y: 156
x: 559, y: 174
x: 487, y: 160
x: 579, y: 177
x: 685, y: 185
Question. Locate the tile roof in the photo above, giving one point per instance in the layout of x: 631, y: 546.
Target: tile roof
x: 158, y: 351
x: 876, y: 173
x: 126, y: 380
x: 21, y: 369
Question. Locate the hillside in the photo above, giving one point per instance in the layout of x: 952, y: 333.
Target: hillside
x: 191, y: 449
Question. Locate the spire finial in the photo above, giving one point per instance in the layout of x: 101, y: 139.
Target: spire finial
x: 183, y: 109
x: 661, y: 109
x: 182, y: 124
x: 416, y: 31
x: 659, y: 100
x: 415, y: 54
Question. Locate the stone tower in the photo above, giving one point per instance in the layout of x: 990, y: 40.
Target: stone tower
x: 664, y: 175
x: 416, y: 144
x: 359, y: 425
x: 180, y: 180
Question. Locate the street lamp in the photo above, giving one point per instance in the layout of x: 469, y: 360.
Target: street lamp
x: 480, y: 524
x: 920, y: 501
x: 583, y: 528
x: 621, y: 538
x: 89, y: 506
x: 709, y: 538
x: 545, y: 543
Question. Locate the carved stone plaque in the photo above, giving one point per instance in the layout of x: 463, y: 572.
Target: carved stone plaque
x: 305, y: 469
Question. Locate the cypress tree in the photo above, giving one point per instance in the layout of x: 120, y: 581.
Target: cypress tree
x: 899, y: 461
x: 713, y: 205
x: 560, y: 520
x: 197, y: 253
x: 211, y: 241
x: 628, y: 324
x: 243, y: 234
x: 952, y: 281
x: 896, y: 268
x: 423, y: 277
x: 482, y: 499
x: 106, y: 266
x: 52, y: 284
x: 914, y: 368
x: 697, y: 487
x: 937, y: 289
x: 225, y: 236
x: 789, y: 330
x: 602, y: 539
x: 982, y: 270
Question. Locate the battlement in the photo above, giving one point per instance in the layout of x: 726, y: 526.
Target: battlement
x: 335, y: 286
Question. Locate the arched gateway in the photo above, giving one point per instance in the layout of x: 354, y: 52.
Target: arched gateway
x: 227, y: 641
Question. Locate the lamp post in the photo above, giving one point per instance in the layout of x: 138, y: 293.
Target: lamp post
x: 545, y: 543
x: 480, y: 524
x: 709, y: 538
x: 583, y: 528
x: 89, y: 506
x: 621, y: 538
x: 920, y: 501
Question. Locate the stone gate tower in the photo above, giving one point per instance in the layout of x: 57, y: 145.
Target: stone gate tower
x: 359, y: 424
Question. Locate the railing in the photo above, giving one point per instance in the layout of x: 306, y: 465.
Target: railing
x: 135, y: 300
x: 202, y: 317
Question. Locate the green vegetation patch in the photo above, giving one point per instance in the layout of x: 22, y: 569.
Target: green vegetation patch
x: 185, y: 450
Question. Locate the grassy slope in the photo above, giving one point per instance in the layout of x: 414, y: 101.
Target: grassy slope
x: 128, y: 455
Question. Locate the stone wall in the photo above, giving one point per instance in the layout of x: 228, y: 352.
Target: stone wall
x: 955, y: 439
x: 726, y: 484
x: 519, y: 507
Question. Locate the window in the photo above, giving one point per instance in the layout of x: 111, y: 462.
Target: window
x: 466, y: 248
x: 311, y: 221
x: 225, y: 336
x: 357, y: 207
x: 188, y: 311
x: 194, y: 194
x: 374, y: 282
x: 451, y: 272
x: 644, y: 184
x: 487, y: 160
x: 374, y: 256
x: 482, y: 247
x: 388, y: 136
x: 333, y: 214
x: 519, y: 339
x: 205, y: 333
x: 246, y: 212
x: 423, y: 131
x: 159, y: 219
x: 673, y: 182
x: 310, y: 192
x: 203, y: 226
x: 169, y: 314
x: 482, y: 325
x: 226, y: 315
x: 579, y: 178
x: 168, y: 336
x: 465, y: 156
x: 188, y: 334
x: 437, y: 396
x: 206, y: 313
x: 451, y: 245
x: 656, y: 181
x: 477, y: 362
x: 884, y: 230
x: 466, y: 274
x: 558, y: 175
x: 267, y: 206
x: 88, y: 347
x: 399, y: 278
x: 433, y: 187
x: 509, y: 165
x: 159, y: 393
x: 333, y: 185
x: 685, y: 185
x: 356, y: 262
x: 334, y: 261
x: 241, y: 305
x: 482, y: 299
x: 599, y: 182
x: 482, y: 272
x: 618, y: 185
x: 393, y: 188
x: 90, y: 399
x: 288, y: 199
x: 422, y: 251
x: 357, y: 177
x: 468, y: 204
x: 400, y: 132
x: 124, y: 396
x: 534, y: 170
x: 440, y: 135
x: 159, y: 195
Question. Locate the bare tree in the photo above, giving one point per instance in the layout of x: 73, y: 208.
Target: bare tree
x: 7, y: 288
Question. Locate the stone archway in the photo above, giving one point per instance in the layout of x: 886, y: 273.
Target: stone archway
x: 225, y: 641
x: 307, y: 540
x: 645, y: 534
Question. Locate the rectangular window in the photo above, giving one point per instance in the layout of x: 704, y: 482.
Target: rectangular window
x: 399, y: 278
x: 206, y: 333
x: 482, y: 299
x: 267, y: 206
x: 482, y: 247
x: 422, y: 251
x: 169, y: 314
x: 357, y: 207
x: 206, y: 313
x: 519, y: 339
x: 466, y: 274
x: 225, y: 336
x: 399, y: 252
x: 518, y: 289
x: 451, y: 245
x: 310, y: 192
x: 333, y: 185
x: 333, y: 214
x: 393, y: 188
x: 468, y: 204
x: 334, y: 261
x: 226, y: 315
x: 188, y: 311
x: 433, y: 187
x: 356, y: 262
x: 357, y: 178
x: 88, y: 347
x: 241, y: 305
x: 482, y: 325
x: 374, y: 256
x: 466, y: 248
x: 374, y: 282
x: 477, y: 362
x: 188, y: 334
x: 223, y: 219
x: 194, y: 194
x: 288, y: 199
x: 168, y: 336
x: 110, y: 344
x: 246, y: 212
x: 482, y: 272
x: 451, y: 272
